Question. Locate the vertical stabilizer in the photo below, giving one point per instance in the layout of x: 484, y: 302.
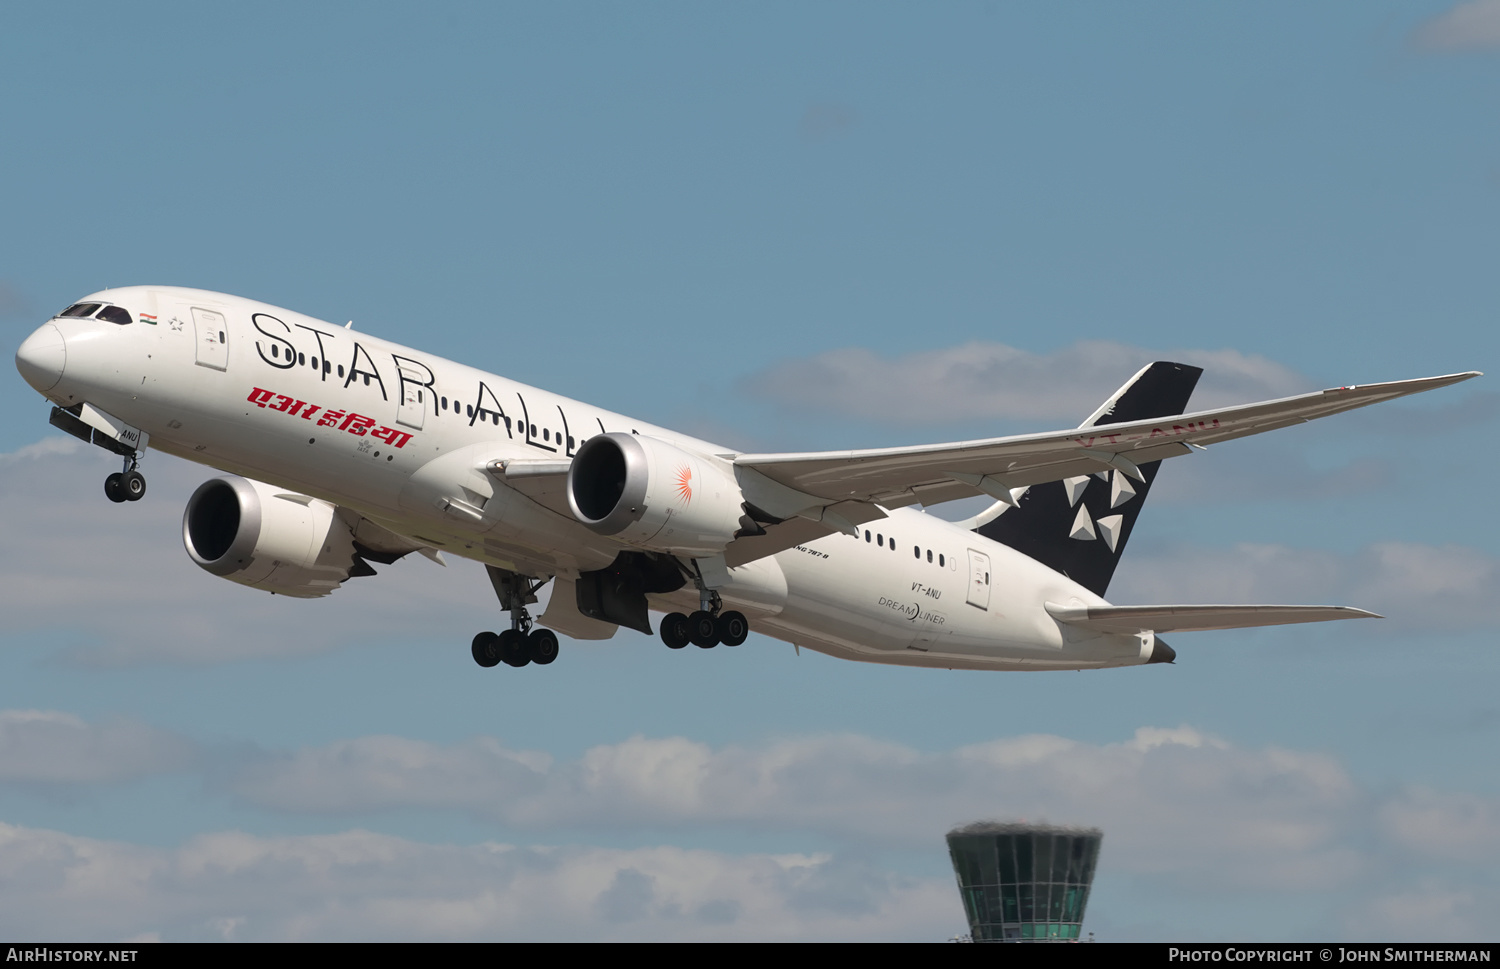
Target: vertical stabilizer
x: 1079, y: 526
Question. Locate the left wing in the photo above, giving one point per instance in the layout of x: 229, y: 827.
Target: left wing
x: 806, y: 496
x: 941, y: 472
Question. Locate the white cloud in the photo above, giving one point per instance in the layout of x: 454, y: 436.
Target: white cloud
x: 1174, y: 801
x: 366, y: 886
x: 1460, y: 827
x: 1429, y: 910
x: 1416, y: 587
x: 116, y: 579
x: 1468, y: 26
x: 1182, y: 810
x: 45, y: 747
x: 992, y: 380
x: 383, y: 772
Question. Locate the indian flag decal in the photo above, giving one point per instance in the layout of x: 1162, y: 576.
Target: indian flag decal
x: 148, y: 318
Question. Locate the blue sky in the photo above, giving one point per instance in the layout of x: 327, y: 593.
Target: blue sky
x: 780, y: 227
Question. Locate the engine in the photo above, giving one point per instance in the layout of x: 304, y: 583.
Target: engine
x: 268, y: 538
x: 655, y: 495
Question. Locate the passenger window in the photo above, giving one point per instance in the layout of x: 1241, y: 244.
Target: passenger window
x: 867, y: 535
x: 117, y: 315
x: 80, y: 310
x: 929, y: 555
x: 917, y: 551
x: 880, y: 540
x: 940, y: 561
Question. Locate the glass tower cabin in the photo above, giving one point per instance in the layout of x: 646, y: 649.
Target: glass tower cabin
x: 1024, y: 882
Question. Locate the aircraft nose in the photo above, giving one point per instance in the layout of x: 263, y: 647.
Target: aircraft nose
x: 42, y: 357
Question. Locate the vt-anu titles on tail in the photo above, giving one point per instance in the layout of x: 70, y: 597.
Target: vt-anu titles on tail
x: 343, y: 452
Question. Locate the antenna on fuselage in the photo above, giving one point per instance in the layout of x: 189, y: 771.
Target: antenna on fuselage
x: 349, y: 324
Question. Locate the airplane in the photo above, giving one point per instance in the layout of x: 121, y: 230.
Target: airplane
x: 343, y: 451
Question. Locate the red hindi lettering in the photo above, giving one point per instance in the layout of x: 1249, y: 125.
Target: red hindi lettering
x: 357, y: 424
x: 391, y: 436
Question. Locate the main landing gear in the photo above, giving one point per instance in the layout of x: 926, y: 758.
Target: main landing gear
x: 126, y: 485
x: 520, y: 644
x: 706, y: 628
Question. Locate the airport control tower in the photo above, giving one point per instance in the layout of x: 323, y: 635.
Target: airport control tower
x: 1024, y: 882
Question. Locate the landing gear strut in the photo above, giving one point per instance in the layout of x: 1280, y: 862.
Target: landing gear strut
x: 520, y: 644
x: 126, y: 485
x: 709, y: 626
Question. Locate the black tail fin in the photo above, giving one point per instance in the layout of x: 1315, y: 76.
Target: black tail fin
x: 1079, y: 526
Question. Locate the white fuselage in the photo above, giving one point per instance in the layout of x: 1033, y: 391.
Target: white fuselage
x: 400, y: 436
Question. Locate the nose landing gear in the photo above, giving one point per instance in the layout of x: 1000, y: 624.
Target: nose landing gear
x: 92, y: 426
x: 520, y: 644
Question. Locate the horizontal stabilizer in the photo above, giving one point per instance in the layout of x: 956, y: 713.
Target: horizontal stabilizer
x: 1166, y: 619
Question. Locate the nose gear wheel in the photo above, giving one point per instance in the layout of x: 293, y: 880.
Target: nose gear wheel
x: 126, y: 485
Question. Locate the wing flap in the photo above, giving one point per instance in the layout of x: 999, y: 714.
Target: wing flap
x: 1182, y: 618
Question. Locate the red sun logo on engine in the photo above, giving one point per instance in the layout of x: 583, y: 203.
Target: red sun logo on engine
x: 685, y: 484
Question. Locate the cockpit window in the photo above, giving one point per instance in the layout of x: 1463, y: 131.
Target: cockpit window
x: 116, y: 314
x: 81, y: 309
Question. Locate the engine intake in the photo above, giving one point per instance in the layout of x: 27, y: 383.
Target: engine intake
x: 267, y: 538
x: 654, y: 495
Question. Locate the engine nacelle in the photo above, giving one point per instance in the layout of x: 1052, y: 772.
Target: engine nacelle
x: 655, y: 495
x: 267, y: 538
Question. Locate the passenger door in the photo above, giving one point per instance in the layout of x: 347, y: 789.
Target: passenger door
x: 979, y: 579
x: 212, y: 338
